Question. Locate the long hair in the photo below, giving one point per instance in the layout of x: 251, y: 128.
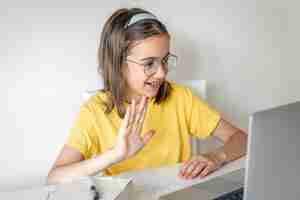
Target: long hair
x: 115, y: 42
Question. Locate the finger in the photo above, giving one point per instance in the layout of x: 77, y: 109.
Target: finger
x: 132, y: 114
x: 188, y: 168
x: 148, y: 136
x: 184, y: 167
x: 198, y: 169
x: 125, y: 122
x: 191, y: 169
x: 143, y: 103
x: 140, y: 108
x: 127, y: 117
x: 140, y: 121
x: 140, y: 116
x: 208, y: 169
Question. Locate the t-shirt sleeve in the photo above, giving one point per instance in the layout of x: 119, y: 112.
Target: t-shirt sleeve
x: 80, y: 136
x: 202, y: 118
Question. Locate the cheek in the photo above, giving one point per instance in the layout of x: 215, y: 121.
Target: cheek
x: 135, y: 79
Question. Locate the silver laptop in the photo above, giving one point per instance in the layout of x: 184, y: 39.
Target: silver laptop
x: 273, y: 160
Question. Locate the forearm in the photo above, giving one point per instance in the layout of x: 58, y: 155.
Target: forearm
x: 234, y: 148
x: 83, y: 168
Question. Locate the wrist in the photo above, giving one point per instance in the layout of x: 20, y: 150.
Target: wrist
x: 223, y: 157
x: 219, y: 157
x: 116, y: 156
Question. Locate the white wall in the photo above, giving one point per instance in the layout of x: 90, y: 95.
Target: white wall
x: 247, y: 52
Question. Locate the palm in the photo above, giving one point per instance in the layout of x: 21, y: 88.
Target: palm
x: 131, y: 145
x: 129, y: 140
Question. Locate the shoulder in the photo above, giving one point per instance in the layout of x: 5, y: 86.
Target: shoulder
x: 179, y: 91
x: 96, y: 101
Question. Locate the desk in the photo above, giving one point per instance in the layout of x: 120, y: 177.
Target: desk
x: 160, y: 183
x: 210, y: 189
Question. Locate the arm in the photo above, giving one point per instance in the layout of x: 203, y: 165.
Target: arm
x: 70, y: 165
x: 234, y: 139
x: 235, y: 142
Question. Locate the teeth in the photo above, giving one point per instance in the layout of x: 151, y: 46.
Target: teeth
x: 154, y: 84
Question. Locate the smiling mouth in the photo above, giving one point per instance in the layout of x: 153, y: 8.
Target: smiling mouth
x: 155, y: 84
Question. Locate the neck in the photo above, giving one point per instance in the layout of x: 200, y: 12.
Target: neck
x: 136, y: 98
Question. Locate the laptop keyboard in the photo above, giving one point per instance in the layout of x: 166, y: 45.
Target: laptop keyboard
x: 234, y: 195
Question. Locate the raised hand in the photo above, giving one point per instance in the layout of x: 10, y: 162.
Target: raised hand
x: 129, y: 140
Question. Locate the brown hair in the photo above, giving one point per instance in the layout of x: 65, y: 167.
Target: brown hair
x: 115, y: 42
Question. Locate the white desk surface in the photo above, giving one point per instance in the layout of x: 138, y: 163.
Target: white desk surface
x: 163, y: 181
x: 151, y: 183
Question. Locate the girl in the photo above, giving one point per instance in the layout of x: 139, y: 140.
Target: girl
x: 140, y: 119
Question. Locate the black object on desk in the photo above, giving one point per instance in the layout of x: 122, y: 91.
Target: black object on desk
x: 96, y: 194
x: 234, y: 195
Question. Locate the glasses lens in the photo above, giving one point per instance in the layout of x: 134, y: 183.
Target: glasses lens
x: 152, y: 68
x: 172, y: 62
x: 169, y: 64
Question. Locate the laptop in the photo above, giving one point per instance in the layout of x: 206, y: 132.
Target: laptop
x: 273, y: 158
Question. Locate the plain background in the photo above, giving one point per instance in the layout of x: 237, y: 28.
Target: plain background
x: 247, y: 50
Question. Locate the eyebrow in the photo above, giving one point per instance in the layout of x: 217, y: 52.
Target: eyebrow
x: 151, y: 58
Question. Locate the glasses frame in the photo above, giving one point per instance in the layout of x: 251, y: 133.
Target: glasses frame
x: 162, y: 62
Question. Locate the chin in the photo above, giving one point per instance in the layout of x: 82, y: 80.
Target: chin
x: 150, y: 94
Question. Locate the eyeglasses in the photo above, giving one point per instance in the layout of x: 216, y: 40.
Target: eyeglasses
x: 151, y: 66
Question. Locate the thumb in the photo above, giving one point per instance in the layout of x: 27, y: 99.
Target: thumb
x: 146, y: 138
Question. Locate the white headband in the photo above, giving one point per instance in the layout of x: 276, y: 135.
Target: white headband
x: 138, y: 17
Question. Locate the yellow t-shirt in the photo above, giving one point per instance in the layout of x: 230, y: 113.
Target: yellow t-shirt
x: 179, y: 115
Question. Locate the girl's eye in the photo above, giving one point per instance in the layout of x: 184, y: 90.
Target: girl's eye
x: 150, y: 64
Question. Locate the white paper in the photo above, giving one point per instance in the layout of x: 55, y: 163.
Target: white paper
x: 108, y: 188
x: 38, y: 193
